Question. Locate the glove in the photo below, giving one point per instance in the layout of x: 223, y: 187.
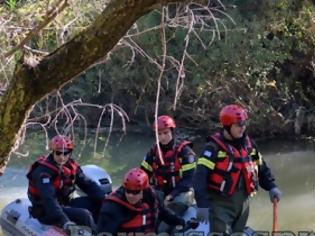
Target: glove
x: 192, y: 224
x: 168, y: 199
x: 275, y: 193
x: 180, y: 226
x: 203, y: 214
x: 72, y: 228
x: 68, y: 225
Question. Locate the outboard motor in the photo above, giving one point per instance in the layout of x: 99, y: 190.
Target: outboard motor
x: 15, y: 219
x: 98, y: 175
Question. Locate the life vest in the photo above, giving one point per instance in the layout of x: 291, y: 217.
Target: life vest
x: 63, y: 181
x: 169, y: 174
x: 144, y: 216
x: 231, y: 165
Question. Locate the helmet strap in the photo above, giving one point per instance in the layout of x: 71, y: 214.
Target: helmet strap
x: 237, y: 141
x: 227, y: 128
x: 168, y: 146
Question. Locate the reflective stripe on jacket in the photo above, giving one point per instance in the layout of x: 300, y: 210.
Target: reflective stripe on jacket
x: 63, y: 180
x: 231, y: 165
x: 170, y: 173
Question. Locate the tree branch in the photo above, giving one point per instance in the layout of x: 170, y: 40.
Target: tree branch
x: 30, y: 84
x: 50, y: 16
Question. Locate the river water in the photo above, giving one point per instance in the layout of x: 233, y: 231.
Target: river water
x: 292, y: 162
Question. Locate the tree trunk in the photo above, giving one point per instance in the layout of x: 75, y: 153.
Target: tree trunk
x: 32, y: 83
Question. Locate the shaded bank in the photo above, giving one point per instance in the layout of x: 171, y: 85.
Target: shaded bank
x: 264, y: 62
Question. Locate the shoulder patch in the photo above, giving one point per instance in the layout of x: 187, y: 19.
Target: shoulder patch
x: 191, y: 159
x: 45, y: 180
x: 207, y: 153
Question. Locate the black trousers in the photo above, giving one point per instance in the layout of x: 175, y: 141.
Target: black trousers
x: 80, y: 210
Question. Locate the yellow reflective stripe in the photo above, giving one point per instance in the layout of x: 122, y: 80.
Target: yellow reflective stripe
x: 256, y: 156
x: 146, y: 166
x: 253, y: 152
x: 221, y: 154
x: 204, y: 161
x: 188, y: 167
x: 260, y: 160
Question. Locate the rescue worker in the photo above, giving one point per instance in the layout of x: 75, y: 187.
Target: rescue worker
x: 52, y: 181
x: 171, y: 172
x: 229, y: 170
x: 135, y: 208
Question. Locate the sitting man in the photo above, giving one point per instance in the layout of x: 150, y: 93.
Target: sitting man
x: 52, y: 181
x: 134, y: 207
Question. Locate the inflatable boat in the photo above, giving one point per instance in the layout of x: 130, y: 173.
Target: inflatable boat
x: 15, y: 219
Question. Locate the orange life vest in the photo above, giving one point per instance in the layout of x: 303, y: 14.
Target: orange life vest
x: 143, y: 217
x: 168, y: 175
x: 63, y: 182
x: 230, y: 168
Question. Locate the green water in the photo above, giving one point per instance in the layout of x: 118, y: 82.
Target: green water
x: 293, y: 163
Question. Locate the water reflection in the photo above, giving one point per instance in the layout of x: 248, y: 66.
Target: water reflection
x: 13, y: 184
x: 292, y: 162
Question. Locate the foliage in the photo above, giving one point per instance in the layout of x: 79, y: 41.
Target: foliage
x: 11, y: 4
x: 258, y: 62
x: 263, y: 61
x: 18, y: 18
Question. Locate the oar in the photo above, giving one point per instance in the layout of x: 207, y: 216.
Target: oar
x: 275, y: 216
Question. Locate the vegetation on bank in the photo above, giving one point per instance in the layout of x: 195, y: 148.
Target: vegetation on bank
x: 263, y: 59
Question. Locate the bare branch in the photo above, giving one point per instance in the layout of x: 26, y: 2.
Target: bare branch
x: 70, y: 112
x: 162, y: 67
x: 181, y: 72
x: 50, y: 16
x: 60, y: 66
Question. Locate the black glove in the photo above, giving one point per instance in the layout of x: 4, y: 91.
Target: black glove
x: 68, y: 225
x: 192, y: 224
x: 72, y: 228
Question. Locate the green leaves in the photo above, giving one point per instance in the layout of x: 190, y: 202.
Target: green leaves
x: 11, y: 4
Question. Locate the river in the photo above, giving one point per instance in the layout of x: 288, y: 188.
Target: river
x: 292, y: 162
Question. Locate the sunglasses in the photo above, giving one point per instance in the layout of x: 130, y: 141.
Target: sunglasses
x: 58, y: 153
x: 133, y: 192
x: 241, y: 123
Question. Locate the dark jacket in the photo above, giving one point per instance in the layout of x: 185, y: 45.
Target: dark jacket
x: 210, y: 152
x: 43, y: 177
x: 188, y: 163
x: 113, y: 214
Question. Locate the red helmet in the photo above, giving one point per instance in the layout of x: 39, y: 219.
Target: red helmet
x: 60, y: 142
x: 232, y: 114
x: 164, y: 122
x: 136, y: 179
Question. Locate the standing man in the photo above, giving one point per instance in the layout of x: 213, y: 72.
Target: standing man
x: 135, y: 208
x: 229, y: 170
x: 52, y: 181
x: 172, y: 171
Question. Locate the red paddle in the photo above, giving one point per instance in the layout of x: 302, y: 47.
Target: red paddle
x: 275, y: 216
